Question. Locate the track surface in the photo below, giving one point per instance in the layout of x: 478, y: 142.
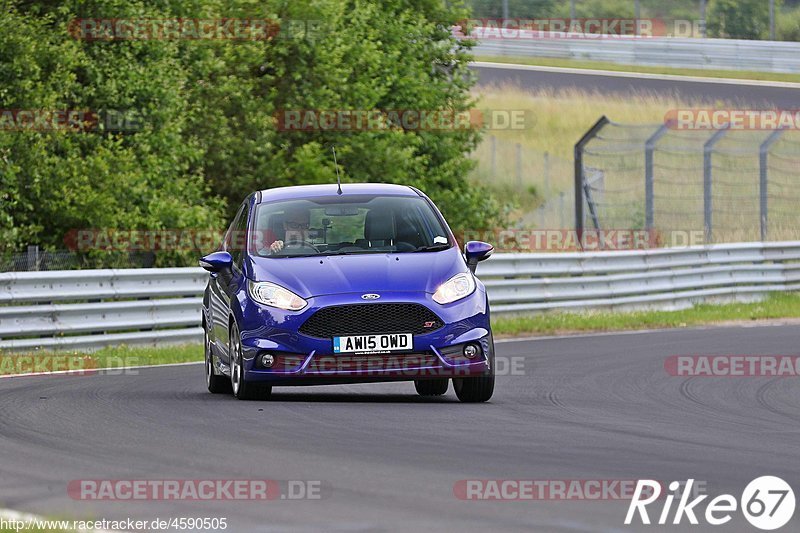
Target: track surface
x: 757, y: 96
x: 597, y: 407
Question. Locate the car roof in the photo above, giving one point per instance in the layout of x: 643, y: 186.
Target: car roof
x: 331, y: 189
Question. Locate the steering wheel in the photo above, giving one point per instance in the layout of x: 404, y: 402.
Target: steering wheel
x: 301, y: 244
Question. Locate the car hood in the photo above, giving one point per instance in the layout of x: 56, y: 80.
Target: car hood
x: 318, y: 276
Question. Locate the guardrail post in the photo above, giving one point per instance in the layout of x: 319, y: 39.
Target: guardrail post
x: 579, y: 177
x: 763, y: 162
x: 708, y: 150
x: 649, y: 149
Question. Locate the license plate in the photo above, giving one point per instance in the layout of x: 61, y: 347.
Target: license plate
x: 394, y: 342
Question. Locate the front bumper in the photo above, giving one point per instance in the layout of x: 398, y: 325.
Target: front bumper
x: 301, y: 359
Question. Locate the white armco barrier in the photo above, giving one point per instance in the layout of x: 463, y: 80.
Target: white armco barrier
x: 87, y: 309
x: 673, y: 52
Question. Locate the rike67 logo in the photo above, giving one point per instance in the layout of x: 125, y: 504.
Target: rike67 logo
x: 767, y: 503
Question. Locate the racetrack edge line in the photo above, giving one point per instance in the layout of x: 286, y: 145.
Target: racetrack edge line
x: 641, y: 75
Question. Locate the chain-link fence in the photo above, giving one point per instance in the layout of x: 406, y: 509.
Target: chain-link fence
x: 35, y: 259
x: 540, y: 182
x: 729, y: 185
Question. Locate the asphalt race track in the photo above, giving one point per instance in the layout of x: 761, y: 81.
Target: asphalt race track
x: 740, y: 93
x: 593, y: 407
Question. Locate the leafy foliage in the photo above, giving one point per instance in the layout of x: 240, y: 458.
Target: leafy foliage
x: 206, y: 109
x: 740, y: 19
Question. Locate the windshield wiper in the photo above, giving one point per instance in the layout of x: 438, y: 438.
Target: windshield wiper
x: 433, y: 248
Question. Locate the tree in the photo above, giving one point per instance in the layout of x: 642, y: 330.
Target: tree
x: 208, y: 133
x: 57, y: 180
x: 739, y: 19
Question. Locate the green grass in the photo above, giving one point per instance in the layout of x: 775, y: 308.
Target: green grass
x: 111, y: 357
x: 777, y: 305
x: 616, y: 67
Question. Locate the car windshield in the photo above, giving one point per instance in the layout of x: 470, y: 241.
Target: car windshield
x: 347, y: 225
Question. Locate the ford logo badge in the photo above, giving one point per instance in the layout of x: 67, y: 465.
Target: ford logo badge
x: 370, y: 296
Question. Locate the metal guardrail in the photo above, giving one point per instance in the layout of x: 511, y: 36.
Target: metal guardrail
x: 87, y: 309
x: 725, y: 54
x: 659, y: 278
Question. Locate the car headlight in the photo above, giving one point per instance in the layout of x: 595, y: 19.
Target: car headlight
x: 457, y: 287
x: 275, y: 296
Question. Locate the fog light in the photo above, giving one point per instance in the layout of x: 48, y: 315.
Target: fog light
x: 471, y: 351
x: 267, y: 360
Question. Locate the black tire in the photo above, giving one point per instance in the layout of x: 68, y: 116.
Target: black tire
x: 478, y: 389
x: 474, y: 390
x: 216, y: 384
x: 431, y: 387
x: 242, y: 389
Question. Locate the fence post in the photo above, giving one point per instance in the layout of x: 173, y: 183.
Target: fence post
x: 649, y: 149
x: 579, y: 177
x: 33, y: 257
x: 708, y: 150
x: 703, y: 32
x: 771, y: 20
x: 590, y: 201
x: 763, y: 160
x: 494, y: 156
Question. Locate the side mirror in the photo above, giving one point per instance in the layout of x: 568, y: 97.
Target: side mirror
x: 217, y: 261
x: 475, y: 252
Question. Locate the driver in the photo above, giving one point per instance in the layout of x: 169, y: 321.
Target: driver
x: 295, y: 227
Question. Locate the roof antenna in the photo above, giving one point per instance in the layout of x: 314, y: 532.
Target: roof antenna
x: 339, y: 181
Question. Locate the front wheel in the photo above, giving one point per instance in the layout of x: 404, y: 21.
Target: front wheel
x: 474, y: 390
x: 216, y: 384
x: 243, y: 389
x: 478, y: 389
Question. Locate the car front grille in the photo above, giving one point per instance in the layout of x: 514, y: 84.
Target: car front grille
x: 365, y: 319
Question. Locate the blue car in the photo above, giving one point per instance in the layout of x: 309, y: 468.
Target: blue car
x: 327, y: 284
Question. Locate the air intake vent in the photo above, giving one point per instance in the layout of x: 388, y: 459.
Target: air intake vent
x: 365, y: 319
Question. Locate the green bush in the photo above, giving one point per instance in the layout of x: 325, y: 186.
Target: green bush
x: 740, y: 19
x: 788, y: 25
x: 207, y: 109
